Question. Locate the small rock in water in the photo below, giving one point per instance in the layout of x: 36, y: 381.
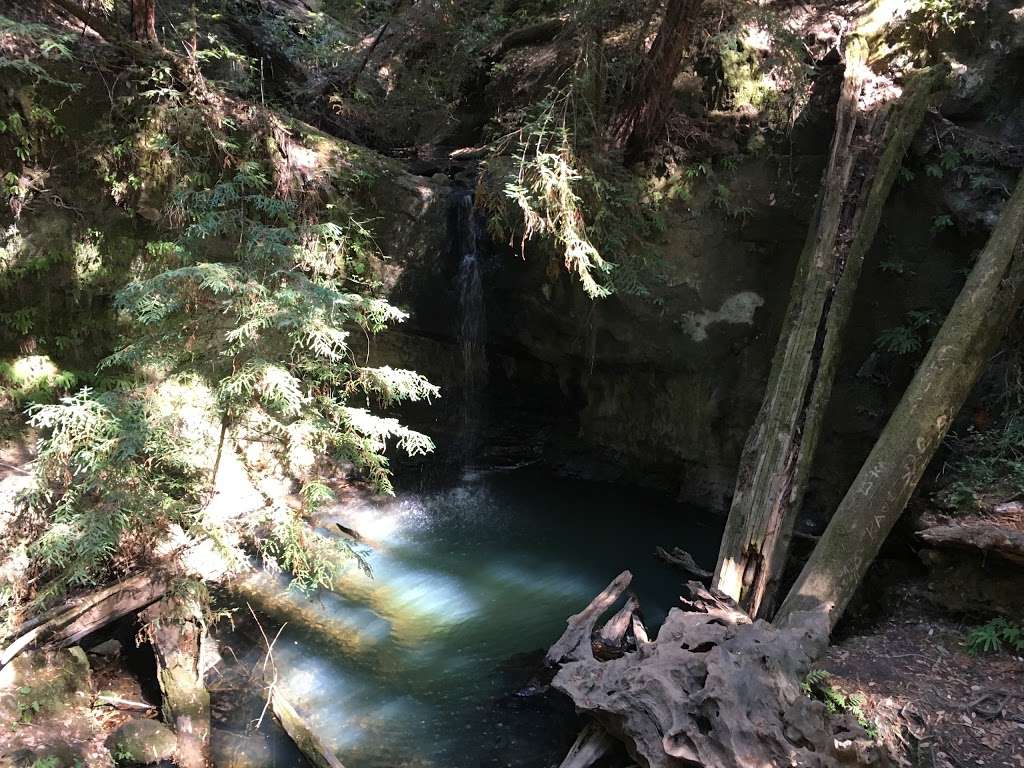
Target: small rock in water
x: 142, y: 741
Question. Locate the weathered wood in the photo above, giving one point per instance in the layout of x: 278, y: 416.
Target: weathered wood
x: 983, y: 537
x: 300, y: 732
x: 713, y: 690
x: 108, y: 699
x: 613, y: 633
x: 639, y: 632
x: 781, y: 444
x: 176, y: 630
x: 874, y: 502
x: 591, y: 745
x: 575, y: 642
x: 683, y: 560
x: 90, y: 612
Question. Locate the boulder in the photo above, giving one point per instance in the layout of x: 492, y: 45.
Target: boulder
x: 142, y: 741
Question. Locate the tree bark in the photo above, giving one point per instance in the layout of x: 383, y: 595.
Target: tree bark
x: 780, y: 446
x: 177, y: 631
x: 876, y: 499
x: 144, y: 21
x: 642, y: 118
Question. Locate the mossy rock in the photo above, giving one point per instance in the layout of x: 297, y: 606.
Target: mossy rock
x: 44, y: 682
x: 142, y: 741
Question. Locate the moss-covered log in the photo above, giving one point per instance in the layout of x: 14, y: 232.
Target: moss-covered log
x: 781, y: 444
x: 970, y: 334
x: 177, y: 631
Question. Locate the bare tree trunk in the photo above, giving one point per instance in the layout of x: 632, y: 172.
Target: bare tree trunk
x: 876, y: 499
x: 144, y: 21
x: 88, y: 18
x: 780, y: 446
x: 177, y: 631
x: 642, y: 118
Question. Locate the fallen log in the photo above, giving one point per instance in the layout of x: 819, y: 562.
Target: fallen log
x: 870, y: 140
x: 683, y: 560
x: 984, y: 537
x: 90, y: 612
x: 111, y: 699
x: 535, y: 34
x: 575, y: 642
x: 591, y: 745
x: 713, y: 690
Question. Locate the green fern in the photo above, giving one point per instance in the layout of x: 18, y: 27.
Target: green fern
x: 900, y: 340
x: 816, y: 685
x: 996, y: 635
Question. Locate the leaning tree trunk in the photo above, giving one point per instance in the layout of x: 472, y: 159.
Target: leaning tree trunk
x: 781, y: 444
x: 642, y: 117
x: 177, y: 631
x: 876, y: 499
x: 144, y: 21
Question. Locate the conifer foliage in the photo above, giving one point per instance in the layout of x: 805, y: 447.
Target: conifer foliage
x: 236, y: 332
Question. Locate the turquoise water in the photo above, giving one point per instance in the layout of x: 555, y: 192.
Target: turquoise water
x: 469, y: 582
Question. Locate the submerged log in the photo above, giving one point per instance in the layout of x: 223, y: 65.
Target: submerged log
x: 300, y: 732
x: 575, y: 642
x: 713, y: 690
x: 176, y: 629
x: 591, y: 745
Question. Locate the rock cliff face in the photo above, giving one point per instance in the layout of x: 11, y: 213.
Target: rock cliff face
x: 661, y: 389
x: 657, y: 389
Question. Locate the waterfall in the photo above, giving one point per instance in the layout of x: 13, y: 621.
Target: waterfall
x: 472, y: 325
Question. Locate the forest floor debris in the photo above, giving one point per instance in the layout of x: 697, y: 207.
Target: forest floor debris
x: 937, y: 704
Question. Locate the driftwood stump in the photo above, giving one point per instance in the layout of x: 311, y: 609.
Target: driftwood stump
x: 715, y: 690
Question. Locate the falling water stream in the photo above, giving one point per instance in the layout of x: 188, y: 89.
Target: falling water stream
x: 472, y: 319
x: 469, y: 582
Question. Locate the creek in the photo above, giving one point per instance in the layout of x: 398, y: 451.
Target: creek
x: 470, y: 582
